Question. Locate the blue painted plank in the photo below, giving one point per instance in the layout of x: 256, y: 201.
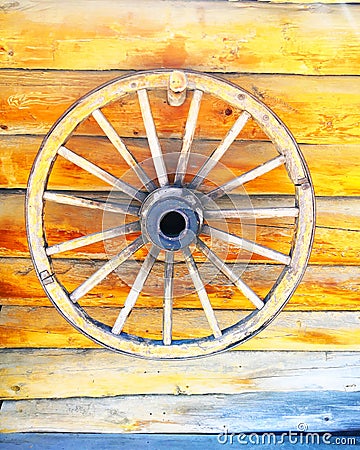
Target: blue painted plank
x: 255, y: 411
x: 270, y: 441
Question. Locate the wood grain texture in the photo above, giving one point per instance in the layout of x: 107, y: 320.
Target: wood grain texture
x: 323, y: 411
x: 333, y: 288
x: 59, y: 373
x: 313, y: 346
x: 215, y: 36
x: 24, y: 327
x: 334, y: 168
x: 336, y: 235
x: 318, y: 110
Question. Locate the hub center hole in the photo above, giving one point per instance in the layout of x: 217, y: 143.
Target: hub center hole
x: 172, y: 224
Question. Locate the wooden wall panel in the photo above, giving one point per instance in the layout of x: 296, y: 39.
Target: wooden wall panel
x: 335, y: 169
x: 336, y: 235
x: 332, y: 288
x: 318, y: 110
x: 304, y: 368
x: 275, y: 411
x: 59, y: 373
x: 212, y: 36
x: 24, y: 327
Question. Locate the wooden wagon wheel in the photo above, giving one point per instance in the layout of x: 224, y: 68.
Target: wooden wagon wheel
x: 172, y: 214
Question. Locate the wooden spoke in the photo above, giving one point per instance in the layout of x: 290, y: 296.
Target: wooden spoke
x: 106, y: 269
x: 168, y: 297
x: 188, y: 137
x: 250, y: 213
x: 101, y: 173
x: 246, y: 245
x: 201, y: 292
x: 217, y: 154
x: 92, y: 238
x: 239, y: 283
x: 71, y: 200
x: 154, y: 143
x: 246, y: 177
x: 120, y: 146
x: 135, y: 290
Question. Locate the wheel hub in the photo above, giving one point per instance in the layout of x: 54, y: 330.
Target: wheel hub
x: 171, y: 218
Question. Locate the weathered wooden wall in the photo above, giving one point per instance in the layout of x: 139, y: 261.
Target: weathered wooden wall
x: 300, y: 59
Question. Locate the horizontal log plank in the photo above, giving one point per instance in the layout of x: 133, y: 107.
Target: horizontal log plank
x: 215, y: 36
x: 318, y: 110
x: 333, y: 288
x: 65, y: 222
x: 330, y: 178
x: 58, y: 373
x: 250, y: 412
x: 23, y: 327
x: 336, y: 235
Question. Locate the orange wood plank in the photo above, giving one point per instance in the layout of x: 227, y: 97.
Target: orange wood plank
x: 22, y: 327
x: 318, y: 110
x: 209, y: 36
x: 336, y: 237
x: 323, y: 287
x: 334, y: 168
